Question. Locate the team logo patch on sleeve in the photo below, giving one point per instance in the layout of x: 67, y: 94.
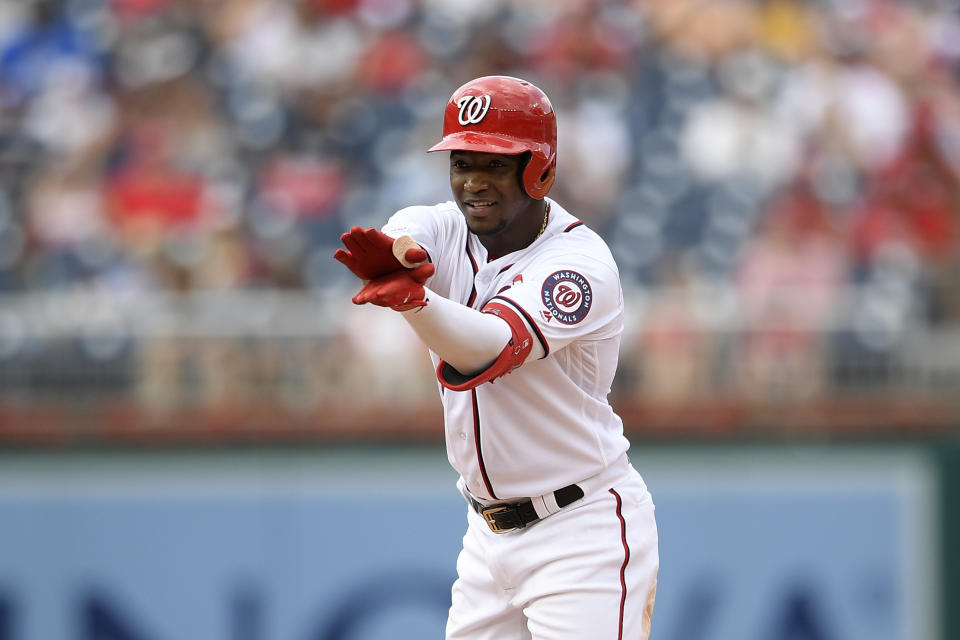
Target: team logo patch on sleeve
x: 567, y: 295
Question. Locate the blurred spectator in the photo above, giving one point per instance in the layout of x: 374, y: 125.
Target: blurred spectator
x: 789, y: 286
x: 673, y: 354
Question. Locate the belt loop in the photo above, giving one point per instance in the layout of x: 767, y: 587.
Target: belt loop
x: 540, y: 506
x: 545, y: 505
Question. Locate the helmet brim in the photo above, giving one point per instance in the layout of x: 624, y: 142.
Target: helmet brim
x: 485, y: 143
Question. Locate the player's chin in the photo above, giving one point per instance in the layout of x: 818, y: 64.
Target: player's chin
x: 482, y: 220
x: 485, y: 226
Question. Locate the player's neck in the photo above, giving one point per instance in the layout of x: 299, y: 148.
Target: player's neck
x: 524, y: 232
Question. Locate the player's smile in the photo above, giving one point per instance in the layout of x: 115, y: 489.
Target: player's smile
x: 479, y: 207
x: 487, y: 188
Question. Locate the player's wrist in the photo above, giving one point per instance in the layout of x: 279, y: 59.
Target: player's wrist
x: 424, y: 299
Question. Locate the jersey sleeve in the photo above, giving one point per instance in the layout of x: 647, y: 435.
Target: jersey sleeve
x: 567, y: 298
x: 424, y: 224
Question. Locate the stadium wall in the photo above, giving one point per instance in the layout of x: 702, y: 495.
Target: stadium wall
x: 315, y: 544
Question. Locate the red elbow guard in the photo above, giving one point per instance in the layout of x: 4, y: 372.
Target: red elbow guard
x: 509, y: 359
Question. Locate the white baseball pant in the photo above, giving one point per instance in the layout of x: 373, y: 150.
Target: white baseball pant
x: 587, y: 571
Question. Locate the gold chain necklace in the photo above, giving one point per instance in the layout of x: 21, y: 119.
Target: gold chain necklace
x: 543, y: 227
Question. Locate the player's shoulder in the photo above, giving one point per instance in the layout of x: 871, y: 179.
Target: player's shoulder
x: 575, y: 240
x: 443, y: 215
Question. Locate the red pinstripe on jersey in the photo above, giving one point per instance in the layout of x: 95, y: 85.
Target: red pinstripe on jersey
x: 476, y: 438
x: 473, y: 264
x: 626, y: 559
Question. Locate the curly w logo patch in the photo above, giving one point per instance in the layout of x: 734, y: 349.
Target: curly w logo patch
x: 567, y: 296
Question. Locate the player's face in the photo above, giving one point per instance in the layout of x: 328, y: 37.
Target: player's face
x: 487, y: 189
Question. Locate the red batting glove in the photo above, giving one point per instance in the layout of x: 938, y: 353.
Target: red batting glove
x: 369, y: 253
x: 401, y: 291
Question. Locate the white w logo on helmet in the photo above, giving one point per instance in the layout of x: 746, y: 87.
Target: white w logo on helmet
x: 473, y: 108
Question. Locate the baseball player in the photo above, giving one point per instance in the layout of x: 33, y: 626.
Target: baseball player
x: 521, y: 308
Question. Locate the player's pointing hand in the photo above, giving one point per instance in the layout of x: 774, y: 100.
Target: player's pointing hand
x: 370, y: 253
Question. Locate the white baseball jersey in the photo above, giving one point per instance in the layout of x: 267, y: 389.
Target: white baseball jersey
x: 547, y: 424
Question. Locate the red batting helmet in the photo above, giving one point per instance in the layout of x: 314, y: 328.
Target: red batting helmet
x: 500, y: 114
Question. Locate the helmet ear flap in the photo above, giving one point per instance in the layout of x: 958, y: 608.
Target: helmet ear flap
x: 538, y: 177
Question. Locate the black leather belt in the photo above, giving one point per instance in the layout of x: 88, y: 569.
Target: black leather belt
x: 517, y: 515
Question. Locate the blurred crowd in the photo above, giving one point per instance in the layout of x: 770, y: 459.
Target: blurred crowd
x: 195, y: 144
x: 784, y: 149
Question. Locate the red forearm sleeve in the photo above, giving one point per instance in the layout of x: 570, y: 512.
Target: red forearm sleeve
x: 512, y: 356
